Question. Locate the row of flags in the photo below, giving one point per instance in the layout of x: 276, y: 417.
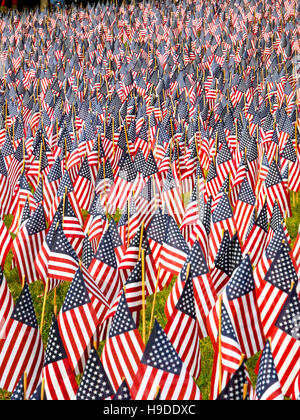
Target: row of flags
x: 145, y: 147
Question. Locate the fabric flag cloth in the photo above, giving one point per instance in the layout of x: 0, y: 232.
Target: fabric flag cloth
x: 6, y: 306
x: 268, y: 387
x: 228, y: 354
x: 183, y: 332
x: 19, y: 393
x: 237, y: 388
x: 123, y: 393
x: 59, y: 379
x: 27, y: 244
x: 63, y: 261
x: 167, y: 372
x: 174, y: 250
x: 285, y: 339
x: 23, y: 350
x: 124, y: 347
x: 255, y: 242
x: 6, y: 243
x: 275, y: 288
x: 104, y: 268
x: 222, y: 220
x: 240, y: 302
x: 94, y: 384
x: 244, y: 210
x: 77, y: 323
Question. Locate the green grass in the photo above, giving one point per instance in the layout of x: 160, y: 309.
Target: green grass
x: 37, y: 291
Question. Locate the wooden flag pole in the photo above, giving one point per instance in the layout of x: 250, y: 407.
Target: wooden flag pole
x: 143, y: 296
x: 44, y: 305
x: 25, y: 385
x: 154, y: 301
x: 42, y: 389
x: 54, y: 303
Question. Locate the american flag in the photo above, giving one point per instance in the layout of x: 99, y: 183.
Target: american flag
x: 6, y: 243
x: 104, y: 268
x: 16, y: 358
x: 228, y: 354
x: 94, y: 384
x: 183, y: 331
x: 276, y: 191
x: 59, y: 379
x: 63, y: 261
x: 286, y: 343
x: 6, y: 306
x: 222, y: 220
x: 240, y: 301
x: 244, y: 209
x: 123, y: 392
x: 84, y: 186
x: 255, y: 243
x: 237, y: 388
x: 275, y: 288
x: 174, y: 250
x: 171, y: 197
x: 28, y: 243
x: 167, y: 372
x: 268, y: 387
x: 124, y: 183
x: 77, y: 323
x: 124, y: 346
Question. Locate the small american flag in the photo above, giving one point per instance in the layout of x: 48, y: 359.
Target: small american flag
x: 286, y: 343
x: 241, y: 304
x: 28, y: 243
x: 22, y: 327
x: 77, y: 323
x: 124, y: 346
x: 268, y: 387
x: 59, y: 379
x: 94, y: 384
x: 183, y: 331
x: 167, y: 372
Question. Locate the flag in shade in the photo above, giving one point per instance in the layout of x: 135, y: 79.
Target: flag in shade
x: 285, y: 339
x: 94, y: 384
x: 59, y: 379
x: 123, y: 393
x: 161, y: 366
x: 183, y: 332
x: 268, y: 387
x: 237, y: 388
x: 18, y: 393
x: 77, y: 323
x: 124, y: 346
x: 39, y: 393
x: 23, y: 349
x: 27, y: 244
